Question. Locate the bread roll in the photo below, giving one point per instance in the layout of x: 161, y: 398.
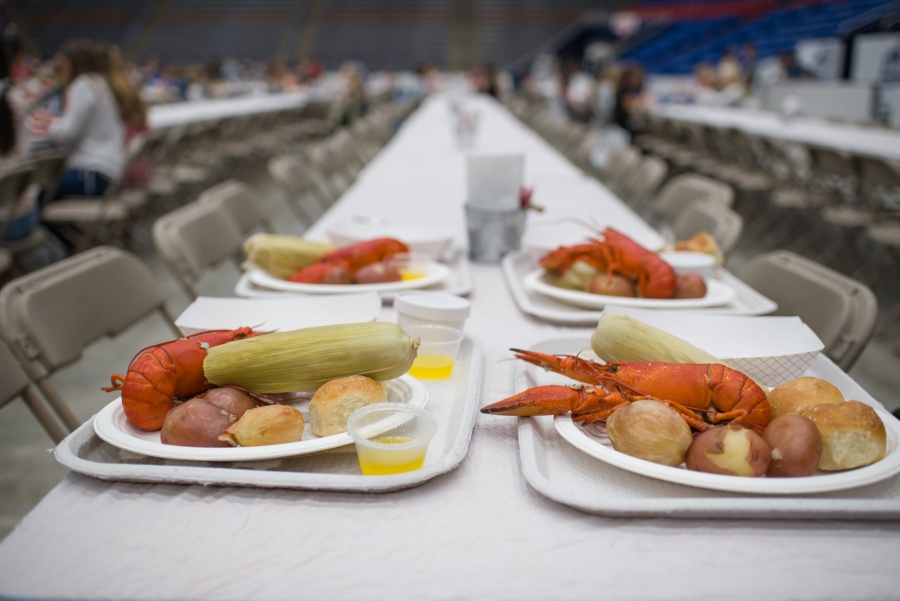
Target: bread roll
x: 798, y: 395
x: 334, y: 401
x: 852, y: 434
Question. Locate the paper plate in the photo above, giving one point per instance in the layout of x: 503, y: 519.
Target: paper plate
x: 428, y: 239
x: 112, y: 426
x: 592, y: 440
x: 435, y: 273
x: 717, y: 293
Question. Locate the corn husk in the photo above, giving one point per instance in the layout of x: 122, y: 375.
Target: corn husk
x: 303, y: 360
x: 270, y: 424
x: 282, y: 256
x: 622, y: 338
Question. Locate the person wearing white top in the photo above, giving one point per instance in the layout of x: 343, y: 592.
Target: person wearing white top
x: 90, y: 127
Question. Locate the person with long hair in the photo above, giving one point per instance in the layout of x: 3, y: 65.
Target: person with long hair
x: 18, y: 221
x: 90, y: 128
x: 631, y: 99
x: 132, y: 108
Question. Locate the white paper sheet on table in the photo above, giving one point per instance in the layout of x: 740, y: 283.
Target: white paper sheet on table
x: 493, y: 180
x: 282, y: 314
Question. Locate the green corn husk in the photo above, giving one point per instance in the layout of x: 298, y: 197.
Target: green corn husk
x: 282, y: 256
x: 303, y: 360
x: 622, y: 338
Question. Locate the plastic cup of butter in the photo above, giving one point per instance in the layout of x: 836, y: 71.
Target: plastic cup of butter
x: 391, y: 438
x: 438, y: 347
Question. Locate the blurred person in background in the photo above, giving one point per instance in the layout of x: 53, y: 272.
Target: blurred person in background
x: 90, y: 128
x: 25, y: 216
x: 631, y: 99
x: 605, y: 92
x: 132, y: 109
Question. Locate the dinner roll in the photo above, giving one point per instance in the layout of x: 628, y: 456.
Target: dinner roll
x: 796, y: 396
x: 334, y: 401
x: 852, y: 434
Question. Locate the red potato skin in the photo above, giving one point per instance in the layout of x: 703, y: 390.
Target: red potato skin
x: 690, y: 285
x: 796, y: 446
x: 234, y: 401
x: 377, y: 273
x: 196, y: 423
x: 612, y: 285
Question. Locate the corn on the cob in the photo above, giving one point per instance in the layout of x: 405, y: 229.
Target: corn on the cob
x: 282, y: 256
x: 578, y: 276
x: 622, y: 338
x: 303, y: 360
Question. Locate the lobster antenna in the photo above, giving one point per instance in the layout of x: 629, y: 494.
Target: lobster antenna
x: 593, y: 227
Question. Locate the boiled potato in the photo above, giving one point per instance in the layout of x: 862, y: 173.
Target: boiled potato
x: 377, y: 273
x: 196, y: 423
x: 730, y: 450
x: 234, y: 401
x: 611, y: 285
x: 796, y: 446
x: 690, y: 285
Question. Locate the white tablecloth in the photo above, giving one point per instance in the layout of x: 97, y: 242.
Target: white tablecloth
x: 869, y: 141
x: 164, y: 116
x: 479, y: 532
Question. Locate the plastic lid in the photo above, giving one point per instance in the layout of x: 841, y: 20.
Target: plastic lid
x: 436, y: 306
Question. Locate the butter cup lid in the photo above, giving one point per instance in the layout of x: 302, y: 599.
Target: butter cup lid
x: 435, y: 306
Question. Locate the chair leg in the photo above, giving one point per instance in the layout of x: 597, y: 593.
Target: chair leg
x: 65, y: 414
x: 44, y: 415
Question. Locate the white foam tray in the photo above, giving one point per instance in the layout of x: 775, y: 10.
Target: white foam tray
x: 458, y: 282
x: 453, y: 402
x: 517, y: 265
x: 559, y: 471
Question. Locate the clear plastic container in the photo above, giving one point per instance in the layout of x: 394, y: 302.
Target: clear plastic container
x: 391, y: 438
x: 438, y: 347
x: 418, y: 308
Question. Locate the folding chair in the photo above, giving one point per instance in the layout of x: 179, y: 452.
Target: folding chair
x: 839, y: 309
x: 48, y: 317
x: 16, y: 383
x: 195, y: 238
x: 293, y: 175
x: 682, y: 191
x: 712, y: 217
x: 241, y: 202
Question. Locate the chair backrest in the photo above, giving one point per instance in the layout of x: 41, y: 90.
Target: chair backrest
x: 683, y: 190
x: 13, y: 182
x: 48, y: 169
x: 719, y: 221
x: 241, y: 202
x: 645, y: 180
x: 620, y: 166
x: 49, y: 316
x: 839, y: 309
x: 193, y: 238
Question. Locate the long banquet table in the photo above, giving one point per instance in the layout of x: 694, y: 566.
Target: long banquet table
x: 878, y: 142
x: 478, y: 532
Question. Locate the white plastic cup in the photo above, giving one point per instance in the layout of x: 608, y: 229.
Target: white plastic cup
x: 420, y: 308
x: 391, y: 438
x: 438, y: 347
x: 686, y: 261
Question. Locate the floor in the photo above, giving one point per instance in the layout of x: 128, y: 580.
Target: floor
x: 30, y: 470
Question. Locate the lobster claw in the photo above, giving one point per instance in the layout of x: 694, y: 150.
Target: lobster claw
x: 549, y: 400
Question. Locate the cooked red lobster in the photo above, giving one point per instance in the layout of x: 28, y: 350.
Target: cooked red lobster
x: 619, y: 254
x: 703, y: 394
x: 346, y: 261
x: 159, y: 375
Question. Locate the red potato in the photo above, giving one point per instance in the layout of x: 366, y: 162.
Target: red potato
x: 196, y: 423
x: 690, y: 285
x: 234, y: 401
x: 730, y: 450
x: 796, y: 446
x: 611, y: 285
x: 377, y: 273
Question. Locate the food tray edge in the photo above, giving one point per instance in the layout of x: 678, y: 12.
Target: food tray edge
x: 713, y: 504
x: 68, y: 454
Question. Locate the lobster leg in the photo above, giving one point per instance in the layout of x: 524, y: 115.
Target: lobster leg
x: 553, y: 400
